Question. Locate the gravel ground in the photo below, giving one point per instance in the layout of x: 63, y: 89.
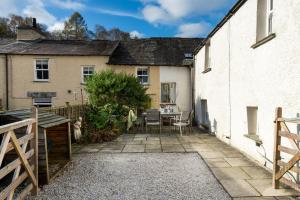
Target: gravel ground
x: 136, y: 176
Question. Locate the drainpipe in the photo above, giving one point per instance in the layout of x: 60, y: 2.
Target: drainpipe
x: 6, y: 80
x: 192, y: 73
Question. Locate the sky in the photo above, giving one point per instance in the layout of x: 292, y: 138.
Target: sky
x: 141, y: 18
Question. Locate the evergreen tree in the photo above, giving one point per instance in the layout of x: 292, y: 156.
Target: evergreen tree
x: 76, y: 28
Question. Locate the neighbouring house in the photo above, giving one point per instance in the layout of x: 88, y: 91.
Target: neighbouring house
x: 248, y: 66
x: 37, y: 71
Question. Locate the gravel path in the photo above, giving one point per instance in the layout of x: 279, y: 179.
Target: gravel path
x: 136, y: 176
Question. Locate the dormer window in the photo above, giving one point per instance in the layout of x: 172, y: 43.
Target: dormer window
x: 188, y: 56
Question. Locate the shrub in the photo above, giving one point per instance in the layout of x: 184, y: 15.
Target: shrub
x: 111, y: 96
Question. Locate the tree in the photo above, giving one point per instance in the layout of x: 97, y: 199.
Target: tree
x: 114, y: 34
x: 75, y: 27
x: 5, y: 31
x: 100, y: 32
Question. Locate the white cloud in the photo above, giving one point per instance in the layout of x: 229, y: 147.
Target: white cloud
x: 68, y: 4
x: 8, y: 7
x: 117, y: 13
x: 193, y: 29
x: 36, y: 8
x: 156, y: 15
x: 57, y: 26
x: 167, y: 11
x: 134, y: 34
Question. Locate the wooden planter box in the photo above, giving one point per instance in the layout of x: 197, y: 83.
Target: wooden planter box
x: 54, y: 140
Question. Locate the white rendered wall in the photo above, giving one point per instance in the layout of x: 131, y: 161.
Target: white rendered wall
x: 266, y: 77
x: 181, y: 76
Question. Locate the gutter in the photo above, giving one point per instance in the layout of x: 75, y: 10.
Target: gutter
x: 6, y: 80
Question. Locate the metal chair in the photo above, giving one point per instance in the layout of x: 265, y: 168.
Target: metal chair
x: 153, y: 119
x: 184, y: 121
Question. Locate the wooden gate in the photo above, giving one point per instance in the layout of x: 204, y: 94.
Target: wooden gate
x: 280, y: 167
x: 25, y: 167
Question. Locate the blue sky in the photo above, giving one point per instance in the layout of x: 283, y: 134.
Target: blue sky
x: 144, y: 18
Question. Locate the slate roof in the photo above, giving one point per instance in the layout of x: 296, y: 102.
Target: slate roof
x: 61, y: 47
x: 148, y: 51
x: 154, y: 51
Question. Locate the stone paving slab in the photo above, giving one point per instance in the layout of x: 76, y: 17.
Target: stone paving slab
x: 211, y: 154
x: 257, y: 172
x: 230, y: 173
x: 264, y: 186
x: 239, y: 162
x: 133, y: 148
x: 239, y: 188
x: 172, y: 148
x: 217, y: 162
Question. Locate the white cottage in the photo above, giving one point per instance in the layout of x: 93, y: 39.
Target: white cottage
x: 249, y: 65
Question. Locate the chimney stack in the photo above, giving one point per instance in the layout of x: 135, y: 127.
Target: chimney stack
x: 33, y: 22
x: 30, y: 32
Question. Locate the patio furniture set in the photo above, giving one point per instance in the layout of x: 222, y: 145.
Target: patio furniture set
x: 175, y: 119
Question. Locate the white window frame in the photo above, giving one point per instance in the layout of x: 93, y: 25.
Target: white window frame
x: 270, y: 16
x: 44, y: 104
x: 148, y: 74
x: 82, y: 71
x: 35, y: 70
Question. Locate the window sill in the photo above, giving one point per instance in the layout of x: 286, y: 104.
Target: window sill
x: 167, y: 103
x: 255, y: 138
x: 41, y: 81
x: 263, y: 41
x: 206, y: 70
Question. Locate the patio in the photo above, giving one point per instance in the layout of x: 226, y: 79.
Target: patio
x: 239, y: 176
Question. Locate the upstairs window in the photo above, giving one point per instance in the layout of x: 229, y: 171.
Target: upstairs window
x: 143, y: 75
x: 168, y: 93
x: 41, y: 70
x: 87, y: 72
x: 264, y: 19
x: 207, y: 56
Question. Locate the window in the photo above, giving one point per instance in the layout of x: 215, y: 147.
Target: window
x: 252, y: 120
x: 143, y: 75
x: 188, y: 56
x: 270, y: 17
x: 207, y: 56
x: 87, y: 71
x: 168, y: 93
x: 264, y: 19
x: 41, y: 70
x: 42, y: 102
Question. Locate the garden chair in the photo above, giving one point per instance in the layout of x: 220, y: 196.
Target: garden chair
x: 153, y: 119
x: 184, y: 121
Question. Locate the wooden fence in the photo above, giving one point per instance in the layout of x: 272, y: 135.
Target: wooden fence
x: 280, y: 167
x: 72, y: 112
x: 25, y: 166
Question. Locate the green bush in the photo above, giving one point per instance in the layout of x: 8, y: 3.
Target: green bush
x: 111, y: 96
